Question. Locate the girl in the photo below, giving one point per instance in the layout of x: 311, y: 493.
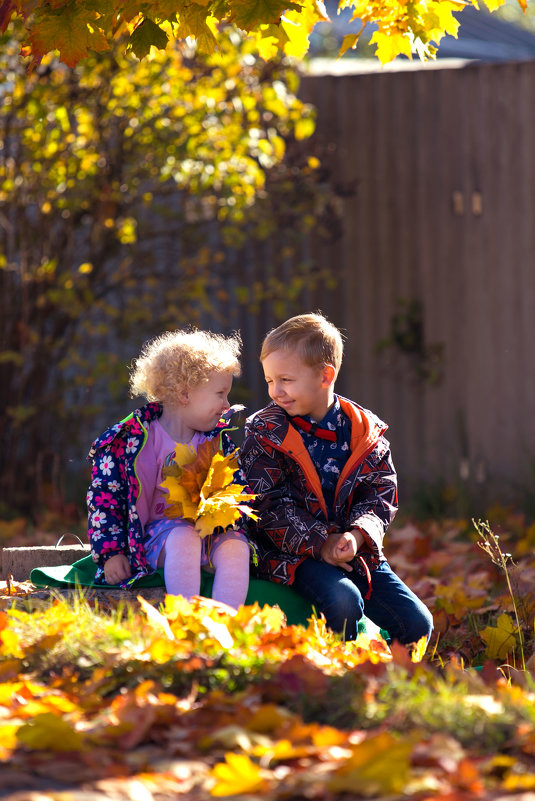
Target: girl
x: 186, y: 376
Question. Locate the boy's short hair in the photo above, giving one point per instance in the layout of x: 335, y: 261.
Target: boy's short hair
x: 317, y: 341
x: 179, y: 360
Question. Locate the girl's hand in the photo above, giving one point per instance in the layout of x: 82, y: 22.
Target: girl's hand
x: 117, y: 569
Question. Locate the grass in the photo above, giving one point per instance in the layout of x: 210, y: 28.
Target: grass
x: 128, y: 691
x: 489, y: 542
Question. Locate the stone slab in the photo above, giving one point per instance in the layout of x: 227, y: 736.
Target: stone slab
x: 19, y: 562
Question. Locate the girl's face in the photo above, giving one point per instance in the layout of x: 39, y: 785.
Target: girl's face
x: 206, y: 402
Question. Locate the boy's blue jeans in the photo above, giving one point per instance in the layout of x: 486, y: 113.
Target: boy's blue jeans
x: 340, y: 596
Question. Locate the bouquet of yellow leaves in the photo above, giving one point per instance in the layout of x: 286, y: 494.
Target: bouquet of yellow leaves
x: 202, y: 489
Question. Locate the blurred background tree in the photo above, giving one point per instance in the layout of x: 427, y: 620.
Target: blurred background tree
x: 124, y: 187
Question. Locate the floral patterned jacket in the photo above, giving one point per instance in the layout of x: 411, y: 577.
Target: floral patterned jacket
x: 293, y: 522
x: 114, y: 526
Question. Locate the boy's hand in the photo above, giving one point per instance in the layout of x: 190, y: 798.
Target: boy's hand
x: 117, y: 569
x: 340, y: 548
x: 359, y: 538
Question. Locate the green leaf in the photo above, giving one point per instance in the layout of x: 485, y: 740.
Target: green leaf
x: 147, y: 35
x: 248, y: 14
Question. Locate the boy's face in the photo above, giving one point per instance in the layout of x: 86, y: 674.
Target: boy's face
x: 296, y: 387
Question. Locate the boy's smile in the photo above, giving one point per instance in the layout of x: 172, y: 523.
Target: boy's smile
x: 296, y: 387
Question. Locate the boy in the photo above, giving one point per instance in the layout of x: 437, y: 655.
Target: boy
x: 326, y: 488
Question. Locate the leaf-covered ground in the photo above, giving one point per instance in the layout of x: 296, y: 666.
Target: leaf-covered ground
x: 106, y: 699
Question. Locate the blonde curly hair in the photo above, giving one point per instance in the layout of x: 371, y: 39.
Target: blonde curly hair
x: 177, y: 361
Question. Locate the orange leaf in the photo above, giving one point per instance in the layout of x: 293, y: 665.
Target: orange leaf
x: 194, y: 474
x: 70, y: 30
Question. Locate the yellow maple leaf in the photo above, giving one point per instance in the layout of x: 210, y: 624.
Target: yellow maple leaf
x: 10, y: 644
x: 350, y: 41
x: 49, y: 732
x: 419, y: 649
x: 8, y: 739
x: 203, y: 490
x: 184, y: 479
x: 194, y: 22
x: 380, y: 765
x: 237, y: 775
x: 269, y: 39
x: 222, y: 509
x: 184, y: 454
x: 220, y: 473
x: 297, y: 42
x: 501, y: 638
x: 390, y: 45
x: 492, y: 5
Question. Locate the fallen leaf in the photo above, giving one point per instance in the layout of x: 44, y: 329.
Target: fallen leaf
x: 237, y: 775
x: 500, y: 639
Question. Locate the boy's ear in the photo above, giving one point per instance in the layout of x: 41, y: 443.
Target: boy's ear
x: 328, y: 376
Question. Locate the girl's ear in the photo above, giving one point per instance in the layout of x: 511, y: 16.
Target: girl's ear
x: 183, y: 396
x: 328, y: 375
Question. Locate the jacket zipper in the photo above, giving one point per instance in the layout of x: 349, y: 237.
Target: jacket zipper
x: 145, y: 436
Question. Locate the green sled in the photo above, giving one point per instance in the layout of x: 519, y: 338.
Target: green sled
x: 296, y: 609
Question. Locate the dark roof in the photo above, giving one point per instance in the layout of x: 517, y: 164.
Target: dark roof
x: 487, y: 37
x: 482, y: 36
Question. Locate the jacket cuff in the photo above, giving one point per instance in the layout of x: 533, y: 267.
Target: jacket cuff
x: 315, y: 549
x: 373, y: 531
x: 102, y: 558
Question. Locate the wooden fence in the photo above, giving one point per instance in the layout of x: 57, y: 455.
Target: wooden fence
x: 437, y: 263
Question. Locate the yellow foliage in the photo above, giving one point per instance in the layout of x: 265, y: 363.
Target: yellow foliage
x: 202, y: 490
x: 9, y: 643
x: 8, y: 739
x: 47, y: 731
x: 273, y: 25
x: 500, y: 639
x: 418, y: 652
x: 237, y: 775
x: 492, y: 5
x: 390, y: 45
x: 378, y: 766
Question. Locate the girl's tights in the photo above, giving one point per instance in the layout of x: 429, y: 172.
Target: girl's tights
x: 182, y: 567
